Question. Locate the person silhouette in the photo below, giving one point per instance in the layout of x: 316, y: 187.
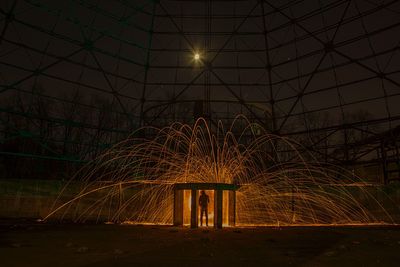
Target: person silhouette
x: 203, y: 203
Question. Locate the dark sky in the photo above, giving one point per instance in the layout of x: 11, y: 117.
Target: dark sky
x: 339, y: 56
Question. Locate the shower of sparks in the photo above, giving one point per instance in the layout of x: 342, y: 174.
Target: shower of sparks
x: 133, y: 181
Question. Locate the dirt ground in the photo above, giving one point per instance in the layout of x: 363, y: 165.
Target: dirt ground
x: 26, y: 243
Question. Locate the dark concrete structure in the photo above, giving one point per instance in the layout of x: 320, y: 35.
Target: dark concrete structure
x: 219, y: 189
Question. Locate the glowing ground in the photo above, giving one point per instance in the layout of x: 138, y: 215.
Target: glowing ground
x: 24, y: 243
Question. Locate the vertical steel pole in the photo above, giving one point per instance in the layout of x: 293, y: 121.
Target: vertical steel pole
x: 147, y: 65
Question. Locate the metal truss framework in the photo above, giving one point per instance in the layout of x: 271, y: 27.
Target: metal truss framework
x: 79, y: 76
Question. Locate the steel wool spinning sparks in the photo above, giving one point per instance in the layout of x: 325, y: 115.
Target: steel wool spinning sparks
x: 134, y: 180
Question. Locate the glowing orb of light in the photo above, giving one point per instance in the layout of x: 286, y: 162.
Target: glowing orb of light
x: 196, y: 56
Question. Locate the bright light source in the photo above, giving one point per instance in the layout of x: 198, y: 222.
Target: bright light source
x: 196, y: 56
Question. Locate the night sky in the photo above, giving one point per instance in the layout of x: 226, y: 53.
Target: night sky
x: 317, y: 58
x: 116, y: 114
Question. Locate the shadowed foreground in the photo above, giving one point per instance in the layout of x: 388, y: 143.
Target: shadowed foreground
x: 25, y: 243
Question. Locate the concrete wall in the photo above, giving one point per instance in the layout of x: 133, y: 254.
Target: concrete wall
x: 34, y: 199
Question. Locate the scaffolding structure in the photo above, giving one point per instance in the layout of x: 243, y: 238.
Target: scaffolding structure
x: 78, y: 76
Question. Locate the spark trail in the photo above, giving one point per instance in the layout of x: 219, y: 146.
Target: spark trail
x: 133, y: 180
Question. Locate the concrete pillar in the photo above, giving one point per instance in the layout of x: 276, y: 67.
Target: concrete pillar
x: 194, y: 216
x: 178, y: 207
x: 218, y: 200
x: 232, y: 208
